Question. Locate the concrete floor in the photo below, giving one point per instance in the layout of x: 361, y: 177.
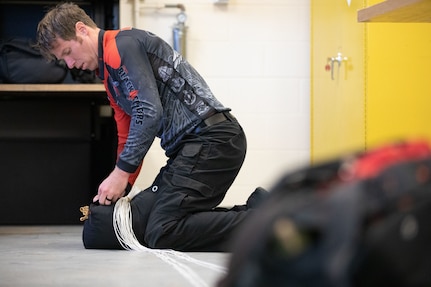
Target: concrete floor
x: 54, y: 256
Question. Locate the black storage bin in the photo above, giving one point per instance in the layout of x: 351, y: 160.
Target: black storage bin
x: 55, y: 151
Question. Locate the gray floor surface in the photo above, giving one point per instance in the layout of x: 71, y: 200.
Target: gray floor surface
x: 54, y: 256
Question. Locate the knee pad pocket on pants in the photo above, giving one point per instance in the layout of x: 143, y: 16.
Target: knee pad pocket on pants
x: 192, y: 187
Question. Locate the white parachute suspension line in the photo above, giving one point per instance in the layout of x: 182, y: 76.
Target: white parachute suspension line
x: 122, y: 223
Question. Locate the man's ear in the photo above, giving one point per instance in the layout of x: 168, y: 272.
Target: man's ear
x: 81, y: 29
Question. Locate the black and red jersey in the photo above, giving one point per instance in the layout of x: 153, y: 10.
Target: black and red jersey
x: 153, y: 90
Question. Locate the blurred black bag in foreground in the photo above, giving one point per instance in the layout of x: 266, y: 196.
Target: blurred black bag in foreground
x: 363, y: 221
x: 20, y: 63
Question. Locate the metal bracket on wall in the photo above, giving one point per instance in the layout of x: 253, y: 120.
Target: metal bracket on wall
x: 179, y: 30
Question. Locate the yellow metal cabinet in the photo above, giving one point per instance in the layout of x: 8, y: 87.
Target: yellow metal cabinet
x: 380, y: 94
x: 398, y: 80
x: 337, y: 79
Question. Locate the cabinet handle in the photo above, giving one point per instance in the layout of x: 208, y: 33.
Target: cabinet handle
x: 339, y: 59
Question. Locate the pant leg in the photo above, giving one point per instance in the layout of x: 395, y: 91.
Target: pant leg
x: 191, y: 185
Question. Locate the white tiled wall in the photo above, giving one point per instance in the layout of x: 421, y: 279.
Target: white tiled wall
x: 255, y: 56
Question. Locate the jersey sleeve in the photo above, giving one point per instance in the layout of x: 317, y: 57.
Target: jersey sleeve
x: 138, y: 110
x: 123, y: 123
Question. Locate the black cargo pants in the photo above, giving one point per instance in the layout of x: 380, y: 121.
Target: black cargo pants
x: 190, y: 187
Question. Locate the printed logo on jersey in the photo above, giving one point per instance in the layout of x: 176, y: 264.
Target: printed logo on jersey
x: 177, y: 84
x: 189, y: 98
x: 127, y: 83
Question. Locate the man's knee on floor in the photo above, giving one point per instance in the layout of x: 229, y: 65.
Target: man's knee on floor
x: 157, y: 239
x: 158, y: 235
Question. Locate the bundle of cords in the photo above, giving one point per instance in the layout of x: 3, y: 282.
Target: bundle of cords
x: 122, y: 220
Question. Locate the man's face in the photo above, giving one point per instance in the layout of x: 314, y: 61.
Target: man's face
x: 79, y: 53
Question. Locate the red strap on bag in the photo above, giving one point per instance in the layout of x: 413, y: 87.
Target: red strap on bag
x: 373, y: 162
